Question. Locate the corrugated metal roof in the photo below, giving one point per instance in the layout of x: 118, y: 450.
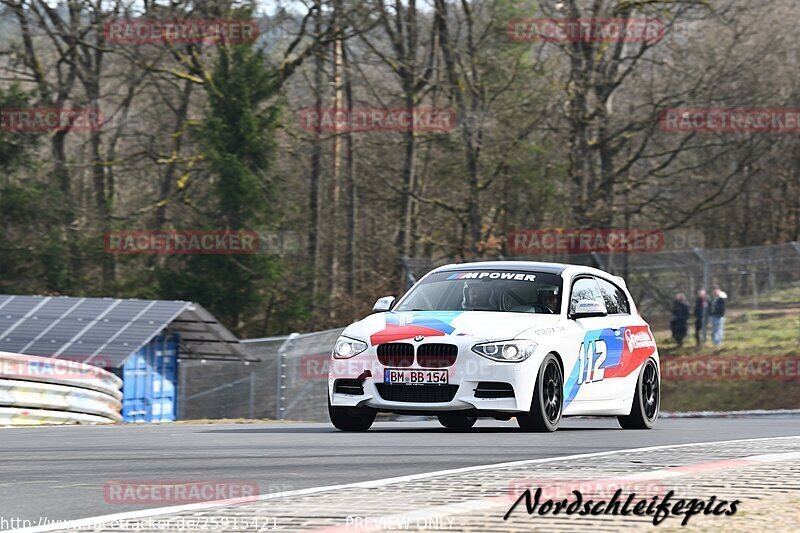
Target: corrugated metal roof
x: 109, y: 329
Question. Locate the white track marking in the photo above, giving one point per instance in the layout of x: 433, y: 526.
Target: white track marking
x: 730, y: 414
x: 145, y: 513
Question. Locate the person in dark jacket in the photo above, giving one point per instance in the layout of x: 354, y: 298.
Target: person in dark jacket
x: 701, y: 317
x: 717, y: 313
x: 680, y: 318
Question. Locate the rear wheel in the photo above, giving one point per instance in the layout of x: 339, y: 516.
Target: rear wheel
x: 457, y: 420
x: 646, y: 400
x: 351, y: 418
x: 548, y: 398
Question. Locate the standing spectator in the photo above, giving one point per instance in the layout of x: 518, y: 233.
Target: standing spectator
x: 680, y: 318
x: 717, y: 314
x: 701, y: 317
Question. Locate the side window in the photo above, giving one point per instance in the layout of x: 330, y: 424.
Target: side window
x: 614, y: 298
x: 584, y: 289
x: 622, y: 300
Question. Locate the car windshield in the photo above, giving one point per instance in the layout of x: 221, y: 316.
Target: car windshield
x: 486, y: 290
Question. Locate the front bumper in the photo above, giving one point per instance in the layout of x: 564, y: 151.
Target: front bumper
x: 464, y: 377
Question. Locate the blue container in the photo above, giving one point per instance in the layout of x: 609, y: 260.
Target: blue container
x: 149, y: 381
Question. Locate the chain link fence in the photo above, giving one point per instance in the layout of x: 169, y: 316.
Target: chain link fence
x: 654, y: 278
x: 290, y: 382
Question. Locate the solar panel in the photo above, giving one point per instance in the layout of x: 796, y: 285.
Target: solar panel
x: 107, y: 330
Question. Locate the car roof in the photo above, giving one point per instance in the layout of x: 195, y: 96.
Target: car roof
x: 545, y: 268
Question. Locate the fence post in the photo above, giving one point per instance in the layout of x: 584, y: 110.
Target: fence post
x: 181, y: 390
x: 408, y: 274
x: 599, y: 261
x: 252, y: 395
x: 280, y: 398
x: 706, y: 273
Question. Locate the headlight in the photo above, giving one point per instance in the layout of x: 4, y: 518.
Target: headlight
x: 346, y: 348
x: 506, y: 351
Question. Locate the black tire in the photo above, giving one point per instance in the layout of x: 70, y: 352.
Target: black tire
x: 351, y: 418
x: 548, y: 399
x: 646, y: 399
x: 457, y: 420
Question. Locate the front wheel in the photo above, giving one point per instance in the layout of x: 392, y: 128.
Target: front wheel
x: 646, y: 400
x: 548, y: 399
x: 457, y: 420
x: 351, y: 418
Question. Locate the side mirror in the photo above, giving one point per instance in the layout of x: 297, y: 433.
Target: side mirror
x: 589, y: 308
x: 383, y: 304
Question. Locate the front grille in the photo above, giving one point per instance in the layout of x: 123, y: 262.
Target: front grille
x: 349, y: 386
x: 396, y: 354
x: 494, y: 389
x: 417, y: 393
x: 437, y: 355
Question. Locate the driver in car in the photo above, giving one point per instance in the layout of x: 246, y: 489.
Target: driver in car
x: 478, y: 296
x: 551, y: 302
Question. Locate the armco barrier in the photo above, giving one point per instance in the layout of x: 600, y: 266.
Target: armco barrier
x: 60, y: 372
x: 41, y: 390
x: 18, y: 416
x: 16, y: 393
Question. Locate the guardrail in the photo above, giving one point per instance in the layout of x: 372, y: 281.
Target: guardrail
x: 41, y: 390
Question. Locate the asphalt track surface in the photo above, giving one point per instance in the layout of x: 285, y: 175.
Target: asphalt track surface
x: 59, y: 473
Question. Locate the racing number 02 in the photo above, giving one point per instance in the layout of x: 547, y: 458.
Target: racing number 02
x: 591, y: 355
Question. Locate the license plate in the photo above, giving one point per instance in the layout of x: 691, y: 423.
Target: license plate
x: 415, y: 377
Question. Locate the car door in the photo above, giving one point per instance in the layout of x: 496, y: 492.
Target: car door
x: 632, y: 346
x: 612, y: 337
x: 587, y: 345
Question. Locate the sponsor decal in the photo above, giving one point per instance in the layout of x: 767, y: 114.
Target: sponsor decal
x: 640, y: 339
x: 517, y: 276
x: 401, y: 326
x: 608, y: 353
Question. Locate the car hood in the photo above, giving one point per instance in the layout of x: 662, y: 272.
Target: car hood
x: 481, y: 325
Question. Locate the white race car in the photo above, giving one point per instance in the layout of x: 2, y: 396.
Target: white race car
x: 535, y: 341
